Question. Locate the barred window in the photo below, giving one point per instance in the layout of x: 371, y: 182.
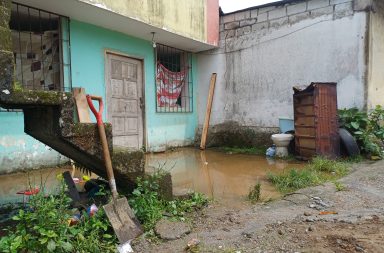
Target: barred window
x: 41, y: 49
x: 174, y: 88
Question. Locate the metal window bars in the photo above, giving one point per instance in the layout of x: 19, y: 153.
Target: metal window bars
x: 41, y: 46
x: 174, y: 84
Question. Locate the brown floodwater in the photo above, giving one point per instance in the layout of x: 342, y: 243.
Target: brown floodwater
x: 43, y: 178
x: 222, y: 176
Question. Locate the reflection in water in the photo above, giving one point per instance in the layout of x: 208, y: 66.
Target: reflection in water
x: 225, y: 177
x: 44, y: 178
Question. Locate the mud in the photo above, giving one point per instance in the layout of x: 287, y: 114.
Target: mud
x: 224, y: 177
x: 290, y: 224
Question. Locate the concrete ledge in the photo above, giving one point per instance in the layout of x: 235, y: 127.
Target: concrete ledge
x: 234, y: 135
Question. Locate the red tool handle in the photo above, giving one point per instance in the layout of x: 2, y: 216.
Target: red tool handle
x: 98, y: 114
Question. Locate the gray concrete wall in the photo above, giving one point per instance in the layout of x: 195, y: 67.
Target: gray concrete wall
x: 265, y: 52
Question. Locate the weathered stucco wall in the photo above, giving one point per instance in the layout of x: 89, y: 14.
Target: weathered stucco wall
x: 88, y: 45
x: 19, y: 151
x: 265, y: 52
x: 187, y: 18
x: 376, y: 56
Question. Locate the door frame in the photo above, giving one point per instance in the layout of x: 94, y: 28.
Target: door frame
x: 106, y: 81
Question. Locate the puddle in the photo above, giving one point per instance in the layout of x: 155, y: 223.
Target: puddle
x: 225, y: 177
x: 13, y: 183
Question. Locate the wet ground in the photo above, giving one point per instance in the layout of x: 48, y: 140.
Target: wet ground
x: 222, y: 176
x: 353, y: 221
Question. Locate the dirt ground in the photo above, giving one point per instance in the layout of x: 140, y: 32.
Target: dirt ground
x: 295, y: 222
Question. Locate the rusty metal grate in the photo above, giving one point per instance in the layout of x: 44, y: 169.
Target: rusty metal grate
x: 174, y: 84
x: 41, y: 47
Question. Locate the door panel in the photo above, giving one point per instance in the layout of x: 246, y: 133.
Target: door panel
x: 124, y: 93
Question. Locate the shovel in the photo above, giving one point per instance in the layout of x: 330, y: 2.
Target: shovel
x: 119, y: 213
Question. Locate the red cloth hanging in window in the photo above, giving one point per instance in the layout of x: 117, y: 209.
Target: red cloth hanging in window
x: 168, y: 85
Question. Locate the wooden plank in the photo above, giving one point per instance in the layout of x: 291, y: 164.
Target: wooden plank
x: 82, y: 105
x: 208, y: 111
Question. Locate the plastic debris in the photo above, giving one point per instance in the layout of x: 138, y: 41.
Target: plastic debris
x: 125, y: 247
x: 92, y: 210
x: 328, y: 212
x: 271, y: 151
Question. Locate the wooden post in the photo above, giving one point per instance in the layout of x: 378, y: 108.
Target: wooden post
x: 208, y: 111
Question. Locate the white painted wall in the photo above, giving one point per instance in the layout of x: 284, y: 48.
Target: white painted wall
x: 256, y: 71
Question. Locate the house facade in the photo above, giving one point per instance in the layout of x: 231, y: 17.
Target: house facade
x: 265, y: 51
x: 140, y: 56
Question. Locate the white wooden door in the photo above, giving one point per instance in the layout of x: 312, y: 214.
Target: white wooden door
x: 125, y: 100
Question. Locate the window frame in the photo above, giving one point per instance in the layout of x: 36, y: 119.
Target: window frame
x: 64, y: 47
x: 175, y: 60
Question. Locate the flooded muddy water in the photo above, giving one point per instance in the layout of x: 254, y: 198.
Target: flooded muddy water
x: 225, y: 177
x: 45, y: 179
x: 13, y: 183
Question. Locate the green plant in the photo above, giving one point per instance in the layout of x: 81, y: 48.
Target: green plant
x: 146, y: 202
x: 294, y: 179
x: 321, y: 164
x: 44, y: 227
x: 319, y: 170
x: 178, y: 208
x: 149, y: 206
x: 17, y: 86
x: 255, y: 193
x: 339, y: 186
x: 367, y: 128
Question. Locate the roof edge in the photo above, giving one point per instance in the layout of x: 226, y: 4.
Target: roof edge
x: 278, y: 3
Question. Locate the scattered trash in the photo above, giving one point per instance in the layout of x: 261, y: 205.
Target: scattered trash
x: 92, y: 210
x: 319, y: 204
x: 6, y: 92
x: 192, y: 244
x: 271, y: 151
x: 328, y: 212
x: 125, y: 247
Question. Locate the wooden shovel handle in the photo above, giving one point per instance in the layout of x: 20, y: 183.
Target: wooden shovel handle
x: 104, y: 143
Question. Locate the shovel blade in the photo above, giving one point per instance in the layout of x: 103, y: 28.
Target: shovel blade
x: 123, y: 220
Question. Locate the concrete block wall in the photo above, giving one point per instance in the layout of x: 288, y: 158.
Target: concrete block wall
x: 266, y: 51
x: 241, y: 23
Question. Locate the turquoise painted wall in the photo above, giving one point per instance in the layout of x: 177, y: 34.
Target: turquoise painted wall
x: 88, y: 45
x: 19, y: 150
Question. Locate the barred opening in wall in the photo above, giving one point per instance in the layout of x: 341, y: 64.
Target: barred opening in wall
x: 41, y: 49
x: 174, y: 88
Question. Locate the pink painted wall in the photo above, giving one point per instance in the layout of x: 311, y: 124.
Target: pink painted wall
x: 213, y: 22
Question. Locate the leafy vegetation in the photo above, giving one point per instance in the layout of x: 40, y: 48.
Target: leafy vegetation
x: 44, y: 227
x: 255, y: 193
x: 149, y: 206
x: 339, y: 186
x: 316, y: 172
x: 367, y: 128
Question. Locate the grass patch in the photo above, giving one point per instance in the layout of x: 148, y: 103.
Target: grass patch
x: 255, y: 193
x: 319, y: 170
x: 150, y: 207
x: 250, y: 151
x: 339, y: 186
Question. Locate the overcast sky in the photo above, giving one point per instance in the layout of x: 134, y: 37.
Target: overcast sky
x: 234, y: 5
